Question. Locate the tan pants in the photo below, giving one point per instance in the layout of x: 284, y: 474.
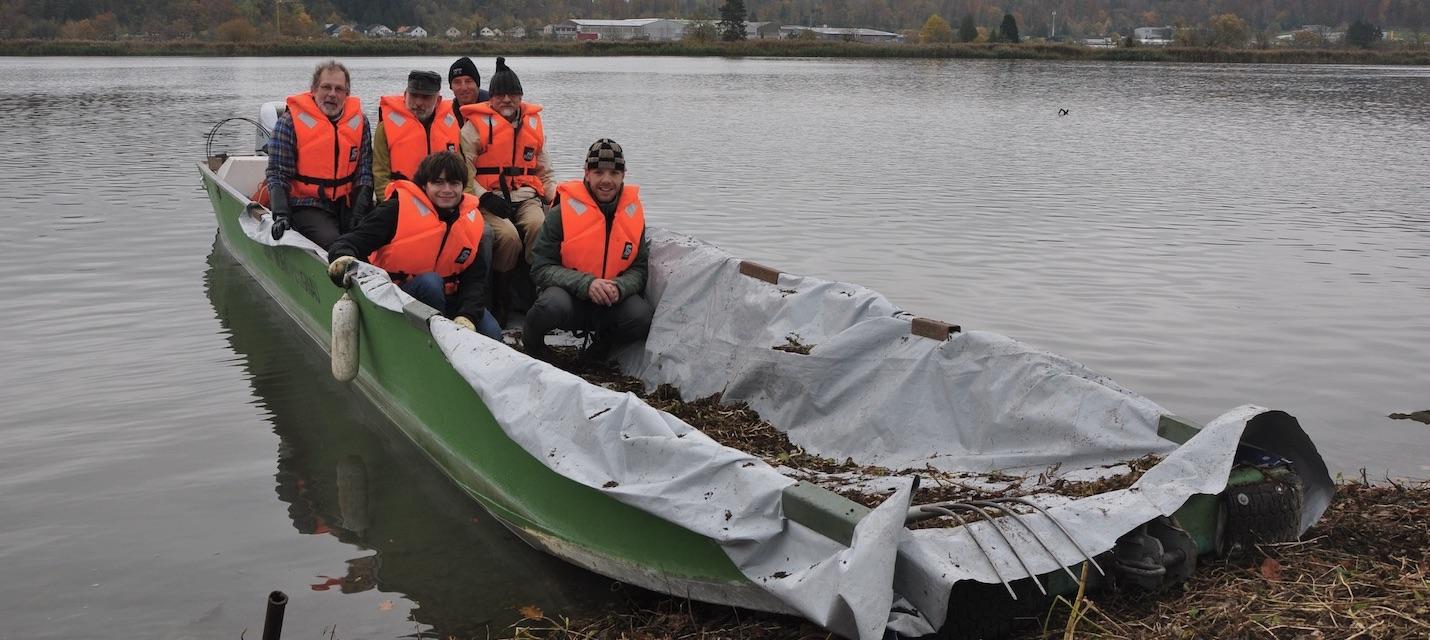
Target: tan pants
x: 507, y: 245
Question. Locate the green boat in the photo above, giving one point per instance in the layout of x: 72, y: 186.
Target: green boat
x: 623, y: 499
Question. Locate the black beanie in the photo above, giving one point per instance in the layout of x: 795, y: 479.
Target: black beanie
x: 606, y: 154
x: 464, y: 67
x: 504, y: 81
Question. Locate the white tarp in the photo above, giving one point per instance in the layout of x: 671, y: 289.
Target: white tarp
x: 868, y: 390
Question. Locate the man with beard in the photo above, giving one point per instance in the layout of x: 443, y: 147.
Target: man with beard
x: 466, y: 84
x: 411, y: 127
x: 320, y: 159
x: 504, y: 143
x: 591, y: 258
x: 441, y: 259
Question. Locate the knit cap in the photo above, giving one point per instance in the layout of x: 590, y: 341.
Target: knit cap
x: 464, y: 67
x: 605, y: 154
x: 504, y: 81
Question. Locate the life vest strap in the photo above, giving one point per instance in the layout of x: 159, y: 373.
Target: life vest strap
x: 326, y: 182
x: 506, y: 171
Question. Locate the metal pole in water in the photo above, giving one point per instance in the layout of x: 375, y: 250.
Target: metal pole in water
x: 273, y: 620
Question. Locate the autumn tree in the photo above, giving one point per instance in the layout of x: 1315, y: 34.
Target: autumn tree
x: 1008, y: 30
x: 732, y: 20
x: 1229, y: 31
x: 967, y: 30
x: 936, y: 30
x: 1362, y: 34
x: 236, y: 30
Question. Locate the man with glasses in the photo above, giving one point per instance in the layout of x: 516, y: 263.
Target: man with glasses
x: 441, y: 260
x: 505, y: 147
x: 320, y: 159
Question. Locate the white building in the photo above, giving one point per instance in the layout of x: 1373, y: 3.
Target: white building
x: 1154, y: 36
x: 848, y: 34
x: 379, y: 31
x: 411, y: 32
x: 628, y: 29
x: 454, y: 33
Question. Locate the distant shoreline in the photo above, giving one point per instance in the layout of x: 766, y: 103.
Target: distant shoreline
x: 750, y: 48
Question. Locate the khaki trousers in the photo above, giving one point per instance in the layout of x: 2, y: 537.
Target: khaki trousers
x: 508, y: 244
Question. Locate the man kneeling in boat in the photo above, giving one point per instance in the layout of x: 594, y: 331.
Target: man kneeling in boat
x: 590, y: 259
x: 404, y: 238
x: 320, y: 159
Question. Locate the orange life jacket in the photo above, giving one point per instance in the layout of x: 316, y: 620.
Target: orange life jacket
x: 408, y: 142
x: 509, y: 150
x: 586, y: 244
x: 423, y: 243
x: 328, y: 152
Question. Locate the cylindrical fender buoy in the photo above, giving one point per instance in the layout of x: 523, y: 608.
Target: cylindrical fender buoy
x: 345, y: 339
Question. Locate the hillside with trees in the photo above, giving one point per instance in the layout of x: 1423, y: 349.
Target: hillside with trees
x: 233, y: 19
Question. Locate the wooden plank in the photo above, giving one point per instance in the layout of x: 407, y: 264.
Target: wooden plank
x: 933, y: 329
x: 760, y: 272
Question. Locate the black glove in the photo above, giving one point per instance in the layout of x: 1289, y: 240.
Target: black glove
x: 496, y: 205
x: 278, y: 204
x: 362, y: 204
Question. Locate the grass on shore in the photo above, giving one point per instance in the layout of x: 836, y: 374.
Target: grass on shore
x: 749, y: 48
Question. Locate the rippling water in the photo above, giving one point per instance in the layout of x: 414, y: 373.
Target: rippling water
x: 1207, y: 235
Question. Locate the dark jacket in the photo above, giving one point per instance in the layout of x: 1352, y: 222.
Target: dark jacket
x: 547, y: 270
x: 378, y: 228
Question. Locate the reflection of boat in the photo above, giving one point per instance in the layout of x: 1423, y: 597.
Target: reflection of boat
x: 343, y: 474
x: 630, y: 496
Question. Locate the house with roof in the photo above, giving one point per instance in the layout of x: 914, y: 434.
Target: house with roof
x: 379, y: 31
x: 453, y: 33
x: 762, y: 30
x: 407, y: 31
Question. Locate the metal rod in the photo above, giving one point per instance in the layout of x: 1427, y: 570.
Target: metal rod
x: 273, y: 620
x: 993, y: 520
x: 963, y: 523
x: 1060, y: 527
x: 1014, y: 515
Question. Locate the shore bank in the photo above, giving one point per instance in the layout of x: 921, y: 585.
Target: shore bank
x: 749, y: 48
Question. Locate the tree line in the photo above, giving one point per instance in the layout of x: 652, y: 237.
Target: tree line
x: 110, y: 19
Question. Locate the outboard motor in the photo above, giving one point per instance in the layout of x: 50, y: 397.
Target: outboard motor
x: 268, y: 117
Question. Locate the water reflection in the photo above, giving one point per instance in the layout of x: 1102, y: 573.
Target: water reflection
x: 345, y: 472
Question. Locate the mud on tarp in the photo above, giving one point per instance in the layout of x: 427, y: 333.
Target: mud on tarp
x: 865, y: 390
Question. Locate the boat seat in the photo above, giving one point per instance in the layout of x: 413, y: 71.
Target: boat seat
x: 244, y: 173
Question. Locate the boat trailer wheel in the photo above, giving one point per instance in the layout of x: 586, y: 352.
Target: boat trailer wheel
x: 1263, y: 512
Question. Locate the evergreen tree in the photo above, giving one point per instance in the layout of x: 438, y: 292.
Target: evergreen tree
x: 936, y: 29
x: 732, y: 20
x: 1008, y: 31
x: 967, y: 30
x: 1362, y: 34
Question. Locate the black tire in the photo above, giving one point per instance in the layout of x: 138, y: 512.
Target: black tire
x: 1264, y: 512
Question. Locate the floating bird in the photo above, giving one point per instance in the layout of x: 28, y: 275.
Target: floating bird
x: 1062, y: 112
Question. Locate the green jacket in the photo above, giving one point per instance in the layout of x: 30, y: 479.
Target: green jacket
x: 547, y: 271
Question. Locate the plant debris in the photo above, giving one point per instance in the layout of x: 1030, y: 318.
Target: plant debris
x: 793, y: 345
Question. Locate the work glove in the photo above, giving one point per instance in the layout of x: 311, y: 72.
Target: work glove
x: 465, y: 323
x: 362, y: 204
x: 340, y: 270
x: 278, y: 204
x: 496, y: 205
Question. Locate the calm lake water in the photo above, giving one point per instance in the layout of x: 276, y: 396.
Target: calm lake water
x: 174, y: 449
